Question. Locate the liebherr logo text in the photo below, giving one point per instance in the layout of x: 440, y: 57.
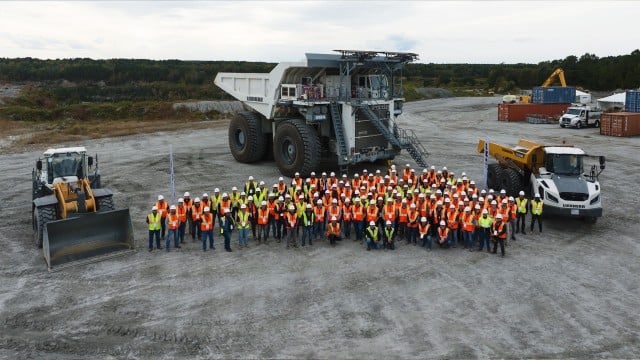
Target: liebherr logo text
x: 573, y: 206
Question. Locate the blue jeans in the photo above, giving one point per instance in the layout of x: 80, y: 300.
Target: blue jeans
x: 153, y: 233
x: 181, y: 230
x: 272, y: 225
x: 358, y: 225
x: 307, y: 232
x: 242, y: 236
x: 173, y: 233
x: 373, y: 244
x: 485, y: 237
x: 411, y: 234
x: 319, y: 229
x: 468, y: 238
x: 426, y: 239
x: 346, y: 225
x: 207, y: 235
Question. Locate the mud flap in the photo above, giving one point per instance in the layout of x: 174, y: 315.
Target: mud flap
x: 87, y: 238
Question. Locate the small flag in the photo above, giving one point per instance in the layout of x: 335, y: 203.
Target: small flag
x: 486, y: 162
x: 172, y: 189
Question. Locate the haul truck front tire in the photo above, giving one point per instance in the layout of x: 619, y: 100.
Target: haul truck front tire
x: 296, y: 148
x: 246, y: 140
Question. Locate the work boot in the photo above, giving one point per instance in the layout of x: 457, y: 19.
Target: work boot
x: 150, y: 249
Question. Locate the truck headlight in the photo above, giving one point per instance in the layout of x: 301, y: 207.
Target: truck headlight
x: 552, y: 198
x: 594, y: 200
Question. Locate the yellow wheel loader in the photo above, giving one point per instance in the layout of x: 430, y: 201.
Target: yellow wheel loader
x: 74, y: 219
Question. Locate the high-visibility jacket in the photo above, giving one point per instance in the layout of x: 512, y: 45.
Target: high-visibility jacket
x: 308, y: 218
x: 438, y: 215
x: 536, y: 207
x: 413, y: 217
x: 154, y: 221
x: 300, y: 207
x: 173, y: 221
x: 263, y: 216
x: 234, y: 199
x: 405, y: 174
x: 207, y: 222
x: 243, y: 220
x: 485, y: 222
x: 196, y: 212
x: 181, y: 210
x: 513, y: 210
x: 453, y: 220
x: 389, y: 213
x: 282, y: 188
x: 215, y: 201
x: 372, y: 233
x: 273, y: 209
x: 355, y: 183
x: 261, y: 195
x: 501, y: 230
x: 372, y: 213
x: 162, y: 208
x: 250, y: 188
x: 334, y: 210
x: 443, y: 233
x: 347, y: 212
x: 403, y: 214
x: 291, y: 220
x: 467, y: 222
x: 319, y: 211
x: 187, y: 205
x: 358, y: 212
x: 423, y: 229
x: 334, y: 228
x: 207, y: 203
x: 522, y: 205
x: 388, y: 232
x: 224, y: 204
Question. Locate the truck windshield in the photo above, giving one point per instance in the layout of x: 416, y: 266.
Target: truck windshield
x: 65, y: 164
x: 571, y: 111
x: 564, y: 164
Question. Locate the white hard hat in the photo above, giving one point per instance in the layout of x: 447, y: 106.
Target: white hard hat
x: 357, y: 199
x: 250, y: 198
x: 390, y: 200
x: 186, y: 193
x: 160, y: 197
x: 243, y: 193
x: 261, y: 183
x: 439, y: 202
x: 511, y: 198
x: 263, y: 203
x: 333, y: 218
x: 180, y: 200
x: 296, y: 174
x: 206, y: 208
x: 205, y: 195
x: 197, y: 199
x: 452, y: 206
x: 477, y: 207
x: 499, y: 216
x: 447, y: 200
x: 503, y: 191
x: 319, y: 202
x: 172, y: 207
x: 493, y: 202
x: 347, y: 200
x: 378, y: 171
x: 216, y: 190
x: 250, y: 177
x: 291, y: 207
x: 432, y: 196
x: 432, y: 167
x: 423, y: 219
x: 442, y: 223
x: 421, y: 195
x: 504, y: 201
x: 154, y: 208
x: 280, y: 198
x: 324, y: 173
x: 413, y: 206
x: 308, y: 206
x: 472, y: 182
x: 243, y: 206
x: 287, y: 196
x: 234, y: 189
x: 333, y: 173
x: 467, y: 208
x: 444, y: 168
x: 301, y: 197
x: 334, y: 201
x: 372, y: 223
x: 225, y: 195
x: 537, y: 195
x: 485, y: 211
x: 313, y: 173
x: 521, y: 192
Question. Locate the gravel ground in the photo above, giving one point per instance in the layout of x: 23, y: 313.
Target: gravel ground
x: 570, y: 292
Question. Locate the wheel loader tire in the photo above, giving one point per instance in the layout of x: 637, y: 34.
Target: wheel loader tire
x: 105, y: 203
x: 296, y: 148
x: 514, y: 180
x: 246, y: 140
x: 494, y: 176
x: 41, y: 216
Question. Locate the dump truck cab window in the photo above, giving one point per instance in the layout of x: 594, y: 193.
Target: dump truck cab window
x: 564, y: 164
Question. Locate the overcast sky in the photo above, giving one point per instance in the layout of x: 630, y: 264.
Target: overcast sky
x: 440, y: 32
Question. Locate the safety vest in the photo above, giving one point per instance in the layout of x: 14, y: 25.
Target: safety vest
x: 243, y: 220
x: 207, y: 203
x: 291, y: 220
x: 234, y: 199
x: 347, y: 212
x: 261, y: 195
x: 372, y: 213
x: 182, y: 213
x: 300, y: 206
x: 485, y: 222
x: 443, y: 233
x: 250, y: 188
x: 413, y: 218
x: 207, y: 222
x: 502, y: 234
x: 403, y: 214
x: 389, y: 212
x: 423, y: 229
x: 388, y: 232
x: 452, y: 220
x: 536, y: 207
x: 522, y: 205
x: 467, y: 222
x: 263, y: 216
x: 358, y: 212
x: 215, y: 201
x: 513, y: 209
x: 373, y: 233
x: 196, y: 212
x: 282, y: 188
x: 334, y: 211
x: 308, y: 218
x: 154, y: 221
x: 162, y: 208
x: 405, y: 174
x: 319, y: 212
x: 173, y: 221
x: 334, y: 228
x: 224, y: 204
x: 271, y: 208
x: 296, y: 182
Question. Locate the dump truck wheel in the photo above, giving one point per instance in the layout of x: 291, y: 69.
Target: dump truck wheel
x: 494, y: 176
x: 514, y: 180
x: 41, y: 217
x: 246, y: 140
x: 596, y: 124
x: 105, y: 203
x: 296, y: 148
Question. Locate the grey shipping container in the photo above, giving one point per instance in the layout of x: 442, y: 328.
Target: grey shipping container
x: 553, y: 95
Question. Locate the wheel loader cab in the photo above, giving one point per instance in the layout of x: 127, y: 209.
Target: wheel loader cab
x: 64, y: 163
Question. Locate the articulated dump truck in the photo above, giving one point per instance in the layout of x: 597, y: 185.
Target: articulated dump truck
x: 555, y: 172
x: 74, y: 219
x: 340, y: 107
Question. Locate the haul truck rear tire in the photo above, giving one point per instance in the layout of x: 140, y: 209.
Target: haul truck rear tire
x: 296, y: 148
x: 514, y: 180
x: 494, y: 176
x: 246, y: 140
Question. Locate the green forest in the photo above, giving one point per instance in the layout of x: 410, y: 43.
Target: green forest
x: 71, y: 86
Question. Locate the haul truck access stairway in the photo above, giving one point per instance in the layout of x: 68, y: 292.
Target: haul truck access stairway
x: 327, y: 107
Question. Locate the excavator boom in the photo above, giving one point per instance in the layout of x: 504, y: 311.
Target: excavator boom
x: 559, y: 73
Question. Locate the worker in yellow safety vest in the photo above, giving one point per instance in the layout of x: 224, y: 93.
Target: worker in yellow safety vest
x: 536, y: 212
x: 154, y: 219
x: 521, y: 203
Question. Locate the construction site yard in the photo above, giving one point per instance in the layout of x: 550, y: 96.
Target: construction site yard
x: 571, y: 291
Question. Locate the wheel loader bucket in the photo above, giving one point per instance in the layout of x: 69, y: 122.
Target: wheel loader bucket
x: 87, y: 238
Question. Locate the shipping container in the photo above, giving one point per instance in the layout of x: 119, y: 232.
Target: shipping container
x: 553, y: 95
x: 520, y: 111
x: 620, y: 124
x: 632, y: 101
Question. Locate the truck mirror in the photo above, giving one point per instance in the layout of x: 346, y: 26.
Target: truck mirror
x: 90, y: 161
x: 602, y: 161
x: 39, y: 164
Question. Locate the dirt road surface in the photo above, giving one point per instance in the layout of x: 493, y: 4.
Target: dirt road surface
x: 572, y: 291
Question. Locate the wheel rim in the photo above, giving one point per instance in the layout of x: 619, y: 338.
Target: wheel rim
x: 288, y: 151
x: 239, y: 138
x: 597, y: 124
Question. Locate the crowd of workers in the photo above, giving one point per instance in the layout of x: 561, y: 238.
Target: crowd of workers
x: 376, y: 209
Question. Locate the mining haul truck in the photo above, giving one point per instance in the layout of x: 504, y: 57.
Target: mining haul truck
x: 74, y: 218
x: 555, y: 172
x: 340, y: 106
